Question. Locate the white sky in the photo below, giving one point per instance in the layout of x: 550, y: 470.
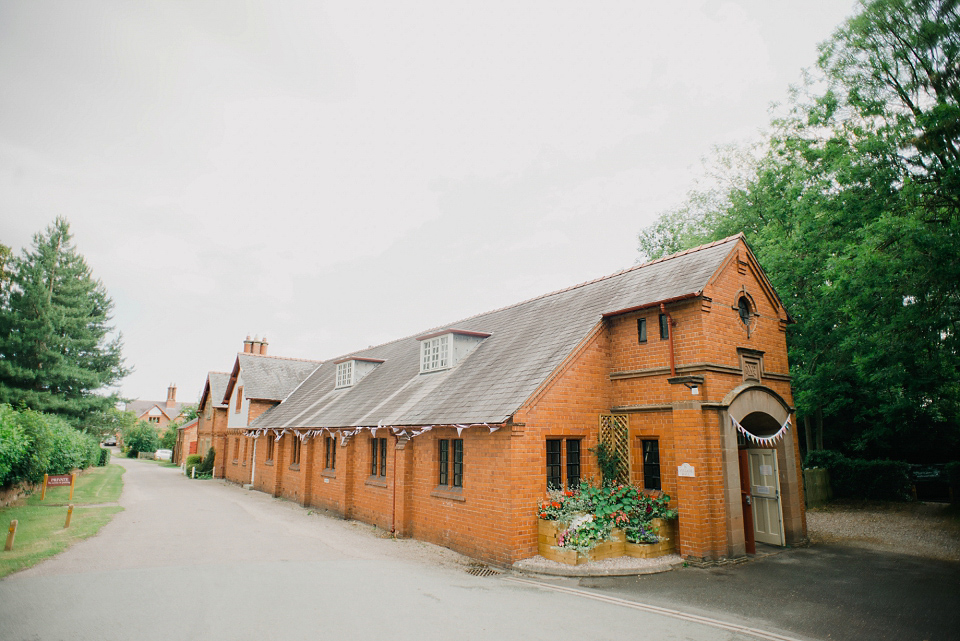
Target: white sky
x: 338, y: 174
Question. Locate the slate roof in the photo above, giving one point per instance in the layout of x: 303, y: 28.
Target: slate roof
x: 269, y: 378
x: 527, y: 342
x: 215, y: 387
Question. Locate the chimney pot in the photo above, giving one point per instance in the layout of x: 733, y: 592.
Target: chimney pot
x: 247, y: 345
x: 263, y: 346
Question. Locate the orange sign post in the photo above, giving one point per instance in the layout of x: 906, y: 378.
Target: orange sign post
x: 11, y: 534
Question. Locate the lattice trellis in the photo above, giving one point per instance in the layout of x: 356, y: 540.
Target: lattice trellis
x: 615, y: 434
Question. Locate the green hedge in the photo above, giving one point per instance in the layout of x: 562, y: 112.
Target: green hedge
x: 33, y: 444
x: 851, y: 478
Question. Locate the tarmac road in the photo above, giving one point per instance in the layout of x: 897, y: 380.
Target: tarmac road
x: 209, y: 560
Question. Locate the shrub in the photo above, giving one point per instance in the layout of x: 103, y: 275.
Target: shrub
x: 194, y: 461
x: 36, y: 460
x: 141, y: 438
x: 207, y: 466
x: 13, y: 442
x: 881, y: 480
x: 104, y: 459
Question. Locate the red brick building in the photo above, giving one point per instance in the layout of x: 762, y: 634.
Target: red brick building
x: 186, y: 441
x: 211, y: 428
x: 158, y: 414
x: 453, y: 435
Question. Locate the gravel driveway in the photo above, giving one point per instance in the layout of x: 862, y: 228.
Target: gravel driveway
x: 929, y: 530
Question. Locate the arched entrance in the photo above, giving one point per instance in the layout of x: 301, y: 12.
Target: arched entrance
x: 766, y: 467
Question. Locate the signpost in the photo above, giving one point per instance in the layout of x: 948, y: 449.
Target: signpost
x: 58, y: 480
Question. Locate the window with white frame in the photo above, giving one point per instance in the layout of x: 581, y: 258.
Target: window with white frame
x: 344, y: 374
x: 435, y: 353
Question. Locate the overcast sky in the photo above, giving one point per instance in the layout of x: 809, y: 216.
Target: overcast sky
x: 334, y: 175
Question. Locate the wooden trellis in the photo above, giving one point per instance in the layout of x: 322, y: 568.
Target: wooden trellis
x: 615, y: 434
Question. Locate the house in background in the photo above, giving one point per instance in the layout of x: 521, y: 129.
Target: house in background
x: 186, y: 443
x: 212, y: 416
x: 159, y: 414
x: 257, y: 383
x: 453, y: 435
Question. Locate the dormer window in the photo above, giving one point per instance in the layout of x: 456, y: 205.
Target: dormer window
x: 435, y: 353
x: 344, y: 374
x: 351, y: 370
x: 443, y: 350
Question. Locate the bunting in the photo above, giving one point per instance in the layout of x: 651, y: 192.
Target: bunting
x: 762, y: 440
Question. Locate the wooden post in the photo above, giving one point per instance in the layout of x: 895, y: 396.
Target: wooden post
x: 73, y: 481
x: 11, y: 534
x: 43, y: 492
x: 69, y: 516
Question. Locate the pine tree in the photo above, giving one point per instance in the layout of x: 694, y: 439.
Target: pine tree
x: 56, y: 351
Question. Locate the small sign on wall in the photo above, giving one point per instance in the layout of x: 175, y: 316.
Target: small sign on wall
x: 686, y: 470
x: 766, y: 470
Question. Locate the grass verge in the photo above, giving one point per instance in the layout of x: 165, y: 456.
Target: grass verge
x: 40, y: 531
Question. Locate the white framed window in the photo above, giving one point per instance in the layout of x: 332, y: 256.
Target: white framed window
x: 435, y: 353
x: 344, y: 374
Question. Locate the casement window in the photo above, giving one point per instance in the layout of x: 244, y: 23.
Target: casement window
x: 271, y: 443
x: 245, y: 443
x: 236, y: 450
x: 378, y: 457
x: 153, y: 419
x: 236, y: 409
x: 450, y: 451
x: 330, y: 453
x: 651, y: 464
x: 664, y: 327
x: 641, y: 330
x: 295, y: 452
x: 563, y: 463
x: 344, y: 374
x: 435, y: 353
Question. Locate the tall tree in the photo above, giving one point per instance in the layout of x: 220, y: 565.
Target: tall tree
x: 854, y: 213
x: 56, y: 348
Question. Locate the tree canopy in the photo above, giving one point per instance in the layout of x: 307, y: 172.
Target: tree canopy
x: 854, y: 212
x: 57, y: 349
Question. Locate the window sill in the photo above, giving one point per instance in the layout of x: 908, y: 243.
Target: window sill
x: 235, y: 461
x: 377, y: 481
x: 447, y: 492
x: 295, y: 466
x: 269, y: 462
x: 329, y: 472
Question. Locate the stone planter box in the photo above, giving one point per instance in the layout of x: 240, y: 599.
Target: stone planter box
x: 547, y: 532
x: 667, y: 545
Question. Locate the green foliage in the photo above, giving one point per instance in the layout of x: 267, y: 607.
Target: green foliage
x: 108, y: 422
x: 55, y: 349
x: 141, y: 437
x: 850, y: 478
x: 169, y: 438
x: 104, y: 458
x: 608, y: 460
x: 33, y: 444
x: 207, y: 466
x: 854, y: 212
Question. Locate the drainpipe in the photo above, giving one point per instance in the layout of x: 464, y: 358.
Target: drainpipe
x: 393, y: 516
x: 253, y: 463
x: 673, y: 364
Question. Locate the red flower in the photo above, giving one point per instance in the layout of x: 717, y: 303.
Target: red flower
x: 568, y: 493
x: 543, y: 515
x: 555, y: 504
x: 649, y: 509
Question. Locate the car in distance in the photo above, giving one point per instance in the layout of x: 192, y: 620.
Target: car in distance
x: 163, y: 455
x: 110, y: 440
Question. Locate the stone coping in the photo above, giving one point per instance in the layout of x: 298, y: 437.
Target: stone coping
x: 619, y: 566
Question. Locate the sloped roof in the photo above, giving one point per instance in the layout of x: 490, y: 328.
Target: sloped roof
x: 269, y: 378
x: 527, y: 342
x: 215, y: 387
x: 142, y: 407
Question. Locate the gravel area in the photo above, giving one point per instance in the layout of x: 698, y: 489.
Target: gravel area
x: 930, y: 530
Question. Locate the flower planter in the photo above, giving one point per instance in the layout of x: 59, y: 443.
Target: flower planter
x: 667, y: 544
x: 547, y: 532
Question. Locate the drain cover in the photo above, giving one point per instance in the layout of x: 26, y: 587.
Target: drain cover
x: 478, y: 569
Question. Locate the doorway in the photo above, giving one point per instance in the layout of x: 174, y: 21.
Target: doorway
x: 765, y: 496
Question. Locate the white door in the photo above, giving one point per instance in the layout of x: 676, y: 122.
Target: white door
x: 765, y: 495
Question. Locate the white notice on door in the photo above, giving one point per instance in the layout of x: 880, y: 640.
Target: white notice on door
x: 766, y: 470
x: 763, y: 489
x: 685, y: 470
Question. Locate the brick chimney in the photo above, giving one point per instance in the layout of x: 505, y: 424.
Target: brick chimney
x: 263, y: 346
x: 247, y: 345
x: 255, y: 345
x: 171, y: 396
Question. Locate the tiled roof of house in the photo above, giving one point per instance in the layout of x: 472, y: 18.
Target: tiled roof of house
x: 215, y: 387
x: 268, y: 377
x: 527, y: 342
x: 142, y: 407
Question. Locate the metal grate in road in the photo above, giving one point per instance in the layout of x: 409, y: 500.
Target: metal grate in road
x: 479, y: 569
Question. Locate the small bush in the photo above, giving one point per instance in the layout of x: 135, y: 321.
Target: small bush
x: 194, y: 461
x: 207, y: 466
x: 141, y: 438
x: 104, y: 457
x: 881, y: 480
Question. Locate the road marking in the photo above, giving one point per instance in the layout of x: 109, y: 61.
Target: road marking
x: 676, y: 614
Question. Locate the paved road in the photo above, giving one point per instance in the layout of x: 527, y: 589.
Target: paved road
x: 208, y: 560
